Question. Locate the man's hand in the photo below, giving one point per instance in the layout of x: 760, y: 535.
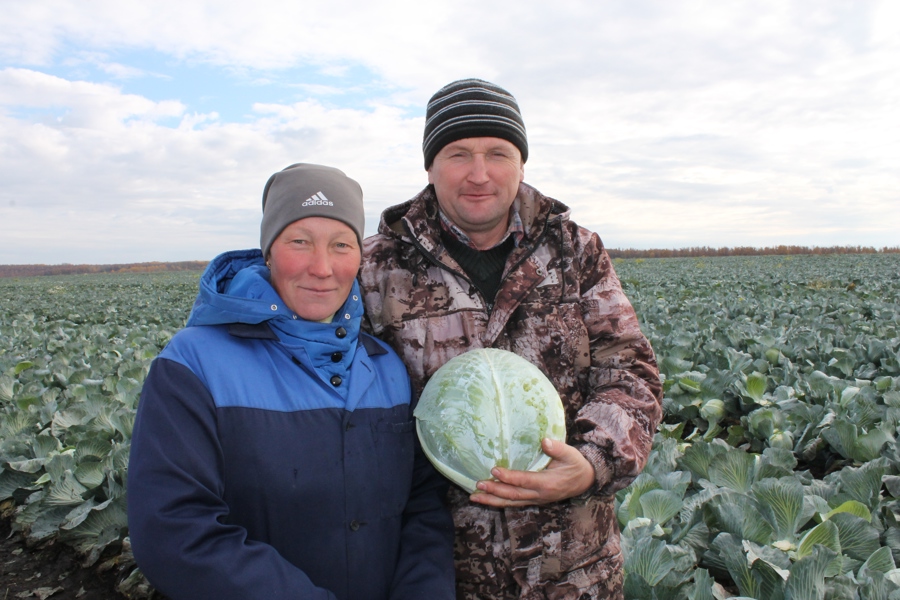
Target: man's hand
x: 568, y: 474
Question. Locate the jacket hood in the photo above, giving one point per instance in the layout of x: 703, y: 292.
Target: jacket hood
x: 218, y: 304
x: 235, y: 291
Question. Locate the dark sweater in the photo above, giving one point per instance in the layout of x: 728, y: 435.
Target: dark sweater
x: 483, y: 267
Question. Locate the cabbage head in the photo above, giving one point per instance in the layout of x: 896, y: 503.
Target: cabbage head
x: 487, y: 408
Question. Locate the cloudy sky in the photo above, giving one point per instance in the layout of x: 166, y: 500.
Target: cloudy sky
x: 135, y: 131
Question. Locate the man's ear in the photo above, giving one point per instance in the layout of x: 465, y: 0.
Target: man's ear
x: 430, y: 179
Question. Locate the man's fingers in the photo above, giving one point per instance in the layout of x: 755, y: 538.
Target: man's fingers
x: 506, y: 490
x: 497, y: 502
x: 560, y: 452
x: 553, y: 448
x: 523, y: 479
x: 567, y: 475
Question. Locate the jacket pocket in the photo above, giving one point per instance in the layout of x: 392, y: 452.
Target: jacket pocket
x: 394, y: 437
x: 585, y: 534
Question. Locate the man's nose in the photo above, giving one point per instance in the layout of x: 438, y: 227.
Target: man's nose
x: 478, y: 172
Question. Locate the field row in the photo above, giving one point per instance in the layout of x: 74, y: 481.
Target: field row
x: 775, y: 474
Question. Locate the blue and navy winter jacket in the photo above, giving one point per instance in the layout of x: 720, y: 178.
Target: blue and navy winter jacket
x: 276, y: 458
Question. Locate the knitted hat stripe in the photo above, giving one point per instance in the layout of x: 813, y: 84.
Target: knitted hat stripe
x: 487, y: 108
x: 472, y: 108
x: 476, y: 125
x: 504, y: 99
x: 471, y: 85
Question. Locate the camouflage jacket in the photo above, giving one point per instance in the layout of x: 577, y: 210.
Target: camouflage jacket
x: 561, y: 307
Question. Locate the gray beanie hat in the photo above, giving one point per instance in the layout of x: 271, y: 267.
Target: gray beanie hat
x: 472, y: 108
x: 305, y: 190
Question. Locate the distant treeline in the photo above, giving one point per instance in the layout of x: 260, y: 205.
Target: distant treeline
x: 150, y: 267
x: 696, y: 251
x: 699, y: 251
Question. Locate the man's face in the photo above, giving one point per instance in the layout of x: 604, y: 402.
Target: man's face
x: 476, y: 181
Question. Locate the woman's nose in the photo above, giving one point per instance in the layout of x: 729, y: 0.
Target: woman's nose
x: 320, y: 264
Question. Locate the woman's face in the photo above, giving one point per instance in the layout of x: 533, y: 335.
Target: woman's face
x: 313, y: 263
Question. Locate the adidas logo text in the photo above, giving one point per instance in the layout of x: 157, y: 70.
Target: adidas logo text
x: 318, y: 199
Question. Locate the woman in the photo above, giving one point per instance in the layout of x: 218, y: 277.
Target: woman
x: 273, y: 452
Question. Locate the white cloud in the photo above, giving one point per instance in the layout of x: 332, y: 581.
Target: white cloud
x: 662, y: 124
x: 106, y: 174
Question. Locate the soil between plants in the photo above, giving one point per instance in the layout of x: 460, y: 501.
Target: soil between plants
x: 50, y: 571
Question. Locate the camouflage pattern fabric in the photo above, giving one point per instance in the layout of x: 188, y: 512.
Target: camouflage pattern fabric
x: 561, y: 307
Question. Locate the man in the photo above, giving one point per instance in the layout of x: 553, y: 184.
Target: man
x: 480, y: 259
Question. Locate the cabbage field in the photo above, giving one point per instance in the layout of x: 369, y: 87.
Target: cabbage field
x: 74, y: 351
x: 777, y: 466
x: 775, y: 474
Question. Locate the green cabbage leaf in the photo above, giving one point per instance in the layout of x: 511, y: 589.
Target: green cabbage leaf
x: 487, y: 408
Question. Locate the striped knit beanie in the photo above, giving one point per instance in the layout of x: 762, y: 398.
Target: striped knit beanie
x: 472, y: 108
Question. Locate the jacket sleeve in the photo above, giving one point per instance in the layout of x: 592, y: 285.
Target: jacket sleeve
x: 176, y: 512
x: 425, y: 566
x: 616, y: 425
